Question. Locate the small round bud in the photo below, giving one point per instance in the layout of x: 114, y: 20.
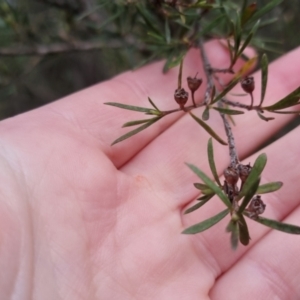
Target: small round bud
x: 181, y: 97
x: 248, y: 84
x: 194, y: 83
x: 244, y: 171
x: 256, y: 207
x: 231, y: 176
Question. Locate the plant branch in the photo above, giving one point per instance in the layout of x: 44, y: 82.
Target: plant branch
x: 234, y: 160
x: 207, y: 69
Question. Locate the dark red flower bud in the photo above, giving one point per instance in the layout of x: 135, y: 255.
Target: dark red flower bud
x: 194, y: 83
x: 256, y: 207
x: 181, y: 97
x: 231, y: 176
x: 248, y: 84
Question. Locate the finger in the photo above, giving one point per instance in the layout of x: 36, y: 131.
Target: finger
x: 282, y: 157
x: 85, y: 110
x: 270, y: 270
x: 163, y: 160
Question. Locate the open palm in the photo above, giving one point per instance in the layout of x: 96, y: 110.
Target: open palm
x: 83, y: 220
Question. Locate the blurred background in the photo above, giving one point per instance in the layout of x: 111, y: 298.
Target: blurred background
x: 51, y: 48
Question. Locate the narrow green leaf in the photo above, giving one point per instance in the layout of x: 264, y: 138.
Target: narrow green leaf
x: 247, y: 12
x: 167, y: 31
x: 216, y: 189
x: 148, y: 18
x: 211, y: 160
x: 173, y: 60
x: 285, y: 112
x: 137, y: 122
x: 211, y: 25
x: 288, y: 101
x: 198, y: 205
x: 233, y: 228
x: 269, y: 187
x: 201, y: 186
x: 249, y: 38
x: 237, y: 34
x: 227, y: 111
x: 251, y: 192
x: 254, y: 175
x: 208, y: 129
x: 205, y: 115
x: 263, y: 117
x: 262, y: 11
x: 234, y: 239
x: 135, y: 131
x: 199, y: 227
x: 288, y: 228
x: 228, y: 88
x: 264, y: 77
x: 243, y: 231
x: 130, y: 107
x: 152, y: 103
x: 205, y: 197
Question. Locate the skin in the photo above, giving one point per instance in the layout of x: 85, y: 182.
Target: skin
x: 80, y: 219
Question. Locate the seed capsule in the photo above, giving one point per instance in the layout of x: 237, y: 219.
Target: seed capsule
x: 231, y: 176
x: 248, y: 84
x: 256, y: 207
x: 181, y: 97
x: 194, y: 83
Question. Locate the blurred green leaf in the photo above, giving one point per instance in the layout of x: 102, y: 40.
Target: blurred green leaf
x: 227, y: 111
x: 228, y: 88
x: 248, y: 38
x: 243, y: 231
x: 288, y: 228
x: 269, y: 187
x: 208, y: 129
x: 201, y: 186
x: 205, y: 114
x: 198, y: 205
x: 199, y: 227
x: 288, y: 101
x: 216, y: 189
x: 247, y: 13
x: 264, y: 77
x: 211, y: 161
x: 211, y: 25
x: 263, y: 117
x: 130, y: 107
x: 167, y: 31
x: 137, y: 122
x: 135, y: 131
x: 286, y: 112
x: 152, y: 103
x: 249, y: 195
x: 173, y: 60
x: 254, y: 175
x: 262, y: 11
x: 233, y: 228
x: 206, y: 197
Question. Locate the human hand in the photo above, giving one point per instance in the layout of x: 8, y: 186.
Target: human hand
x: 83, y: 220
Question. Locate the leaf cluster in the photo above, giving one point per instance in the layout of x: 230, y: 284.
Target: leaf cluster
x: 237, y: 225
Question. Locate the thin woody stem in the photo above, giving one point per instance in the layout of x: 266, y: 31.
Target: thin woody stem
x: 241, y: 105
x: 207, y: 70
x: 234, y: 160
